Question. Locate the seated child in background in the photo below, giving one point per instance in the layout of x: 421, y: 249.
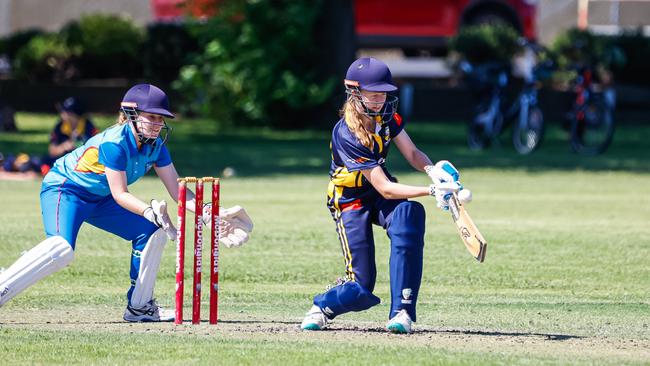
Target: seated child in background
x: 72, y: 130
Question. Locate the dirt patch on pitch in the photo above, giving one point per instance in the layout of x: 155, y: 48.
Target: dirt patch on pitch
x: 563, y: 346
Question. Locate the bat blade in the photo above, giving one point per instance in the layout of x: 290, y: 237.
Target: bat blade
x: 469, y: 234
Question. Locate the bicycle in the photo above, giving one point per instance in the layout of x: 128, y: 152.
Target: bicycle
x: 492, y: 114
x: 591, y: 119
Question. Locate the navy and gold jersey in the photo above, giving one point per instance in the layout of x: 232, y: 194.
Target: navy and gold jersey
x: 350, y: 157
x: 63, y: 132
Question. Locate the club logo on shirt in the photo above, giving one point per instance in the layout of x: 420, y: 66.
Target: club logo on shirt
x: 89, y: 162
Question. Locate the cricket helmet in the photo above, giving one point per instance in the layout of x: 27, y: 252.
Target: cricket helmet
x: 368, y: 73
x: 371, y: 74
x: 149, y: 99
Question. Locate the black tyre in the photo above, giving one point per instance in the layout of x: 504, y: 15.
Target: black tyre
x: 481, y: 135
x: 527, y: 138
x: 592, y: 129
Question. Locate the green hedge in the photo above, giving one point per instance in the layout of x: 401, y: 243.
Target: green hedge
x: 577, y: 46
x: 45, y: 57
x: 11, y: 44
x: 486, y: 43
x: 95, y: 46
x: 168, y: 47
x: 109, y: 46
x: 258, y: 65
x: 635, y: 67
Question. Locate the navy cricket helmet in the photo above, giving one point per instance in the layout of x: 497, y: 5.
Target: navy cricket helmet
x: 147, y: 98
x: 370, y: 74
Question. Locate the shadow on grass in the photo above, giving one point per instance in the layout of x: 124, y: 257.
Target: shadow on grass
x: 295, y: 326
x: 546, y: 336
x: 264, y: 152
x: 199, y: 148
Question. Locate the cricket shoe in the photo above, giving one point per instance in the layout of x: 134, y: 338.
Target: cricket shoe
x: 400, y: 323
x: 315, y: 319
x: 150, y: 312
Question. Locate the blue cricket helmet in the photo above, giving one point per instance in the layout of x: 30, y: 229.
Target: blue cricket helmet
x: 147, y: 98
x: 368, y: 73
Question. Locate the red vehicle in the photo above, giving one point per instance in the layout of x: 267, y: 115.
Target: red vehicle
x: 406, y: 24
x: 427, y: 24
x: 173, y: 9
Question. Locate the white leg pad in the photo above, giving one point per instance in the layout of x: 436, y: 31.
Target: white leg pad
x: 51, y: 255
x: 149, y: 264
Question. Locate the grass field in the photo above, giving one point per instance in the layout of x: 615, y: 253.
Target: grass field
x: 565, y: 281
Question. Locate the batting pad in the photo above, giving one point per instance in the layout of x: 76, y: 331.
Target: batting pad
x: 51, y: 255
x: 149, y: 264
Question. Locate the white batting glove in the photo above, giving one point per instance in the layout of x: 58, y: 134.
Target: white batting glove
x: 443, y: 171
x: 464, y: 195
x: 157, y: 214
x: 444, y: 176
x: 442, y: 192
x: 235, y: 225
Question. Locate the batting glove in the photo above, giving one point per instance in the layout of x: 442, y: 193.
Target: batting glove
x: 157, y: 214
x: 444, y: 176
x: 443, y: 171
x: 442, y: 192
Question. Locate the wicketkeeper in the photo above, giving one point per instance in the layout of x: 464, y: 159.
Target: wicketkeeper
x: 362, y: 193
x: 90, y: 184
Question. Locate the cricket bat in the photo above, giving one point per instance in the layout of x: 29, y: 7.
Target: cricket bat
x: 469, y: 234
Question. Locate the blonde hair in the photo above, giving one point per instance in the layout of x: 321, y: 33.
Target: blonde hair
x: 121, y: 119
x: 357, y: 122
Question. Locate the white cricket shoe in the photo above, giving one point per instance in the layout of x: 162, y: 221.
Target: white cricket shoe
x: 400, y: 323
x: 150, y: 312
x: 314, y: 320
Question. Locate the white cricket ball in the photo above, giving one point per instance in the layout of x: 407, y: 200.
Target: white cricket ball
x: 228, y: 172
x: 465, y: 196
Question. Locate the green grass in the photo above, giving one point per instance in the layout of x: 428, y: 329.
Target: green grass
x: 565, y: 281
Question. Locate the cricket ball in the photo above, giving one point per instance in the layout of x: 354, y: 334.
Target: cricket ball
x: 465, y: 196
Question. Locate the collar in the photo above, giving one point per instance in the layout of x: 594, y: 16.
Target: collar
x: 66, y: 127
x: 131, y: 141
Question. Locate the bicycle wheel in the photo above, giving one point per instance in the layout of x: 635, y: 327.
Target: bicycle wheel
x: 486, y: 124
x: 482, y: 133
x: 592, y: 129
x: 527, y: 134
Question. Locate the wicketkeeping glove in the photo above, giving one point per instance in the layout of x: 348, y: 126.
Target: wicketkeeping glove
x: 235, y: 225
x: 157, y: 214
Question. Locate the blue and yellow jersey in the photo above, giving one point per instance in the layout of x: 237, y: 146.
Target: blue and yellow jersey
x: 350, y: 157
x: 116, y: 148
